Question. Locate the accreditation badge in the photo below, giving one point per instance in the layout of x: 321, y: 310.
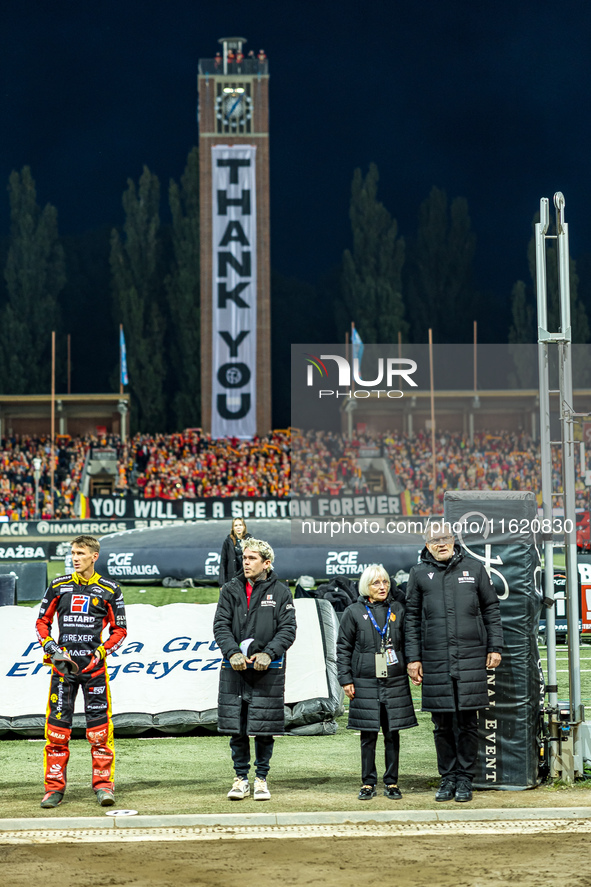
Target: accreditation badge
x: 391, y: 657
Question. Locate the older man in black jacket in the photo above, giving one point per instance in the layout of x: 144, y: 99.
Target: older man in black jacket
x: 453, y: 634
x: 254, y: 625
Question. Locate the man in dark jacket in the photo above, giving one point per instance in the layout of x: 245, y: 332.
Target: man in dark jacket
x: 453, y: 634
x: 254, y: 626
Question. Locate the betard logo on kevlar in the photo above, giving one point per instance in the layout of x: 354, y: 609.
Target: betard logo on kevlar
x: 388, y: 371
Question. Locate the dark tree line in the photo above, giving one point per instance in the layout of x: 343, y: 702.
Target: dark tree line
x: 155, y: 275
x: 390, y: 285
x: 35, y: 276
x: 145, y: 276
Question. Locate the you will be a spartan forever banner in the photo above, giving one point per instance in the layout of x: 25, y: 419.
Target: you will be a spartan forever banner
x: 234, y: 293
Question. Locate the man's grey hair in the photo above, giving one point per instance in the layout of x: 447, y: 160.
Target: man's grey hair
x: 369, y: 575
x: 263, y: 548
x: 439, y: 527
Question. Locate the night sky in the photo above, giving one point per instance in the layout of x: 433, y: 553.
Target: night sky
x: 488, y: 100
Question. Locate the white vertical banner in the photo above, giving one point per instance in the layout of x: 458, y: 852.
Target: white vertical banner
x: 234, y: 292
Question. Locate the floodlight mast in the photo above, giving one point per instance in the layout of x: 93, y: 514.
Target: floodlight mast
x: 566, y: 758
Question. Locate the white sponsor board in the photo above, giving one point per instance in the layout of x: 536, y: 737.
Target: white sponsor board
x: 169, y: 661
x: 234, y: 291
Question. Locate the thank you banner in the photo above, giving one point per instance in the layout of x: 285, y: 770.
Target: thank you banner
x: 234, y: 293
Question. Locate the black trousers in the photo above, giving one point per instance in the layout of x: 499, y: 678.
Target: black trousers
x: 369, y: 738
x: 456, y: 741
x: 240, y: 747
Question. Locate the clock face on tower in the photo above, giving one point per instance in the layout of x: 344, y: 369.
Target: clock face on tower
x: 233, y: 107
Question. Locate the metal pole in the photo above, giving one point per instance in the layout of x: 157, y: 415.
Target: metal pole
x: 568, y: 468
x: 36, y: 475
x: 51, y: 452
x: 123, y: 414
x: 353, y: 358
x: 120, y: 359
x: 546, y: 464
x: 475, y: 356
x: 566, y: 758
x: 349, y: 411
x: 432, y: 416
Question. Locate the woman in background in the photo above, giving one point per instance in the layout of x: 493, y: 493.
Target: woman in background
x: 231, y: 556
x: 372, y: 672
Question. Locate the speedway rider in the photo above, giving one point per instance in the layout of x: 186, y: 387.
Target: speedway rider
x: 84, y: 604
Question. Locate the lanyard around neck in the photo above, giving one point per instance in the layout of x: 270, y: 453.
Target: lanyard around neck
x: 380, y: 631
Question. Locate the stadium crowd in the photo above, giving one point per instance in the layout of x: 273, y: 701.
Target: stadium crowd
x: 191, y: 465
x: 17, y: 476
x: 327, y: 463
x: 187, y: 465
x: 495, y: 460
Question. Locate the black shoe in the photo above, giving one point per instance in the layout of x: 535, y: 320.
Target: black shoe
x: 367, y: 792
x: 464, y: 789
x: 105, y: 797
x: 446, y: 790
x: 392, y: 792
x: 52, y: 799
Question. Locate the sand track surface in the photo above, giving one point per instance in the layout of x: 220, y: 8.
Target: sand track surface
x: 349, y: 855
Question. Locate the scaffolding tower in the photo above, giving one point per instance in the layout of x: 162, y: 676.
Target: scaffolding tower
x: 555, y: 360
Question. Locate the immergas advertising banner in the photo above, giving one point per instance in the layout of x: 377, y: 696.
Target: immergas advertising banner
x: 168, y: 663
x: 12, y: 532
x: 234, y: 295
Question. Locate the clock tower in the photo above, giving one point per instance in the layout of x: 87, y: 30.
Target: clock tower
x: 235, y: 241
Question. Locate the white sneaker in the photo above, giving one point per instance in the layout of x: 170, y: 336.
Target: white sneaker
x: 261, y: 791
x: 240, y: 789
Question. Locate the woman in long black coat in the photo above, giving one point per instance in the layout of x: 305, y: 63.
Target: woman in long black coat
x: 371, y: 640
x: 231, y: 556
